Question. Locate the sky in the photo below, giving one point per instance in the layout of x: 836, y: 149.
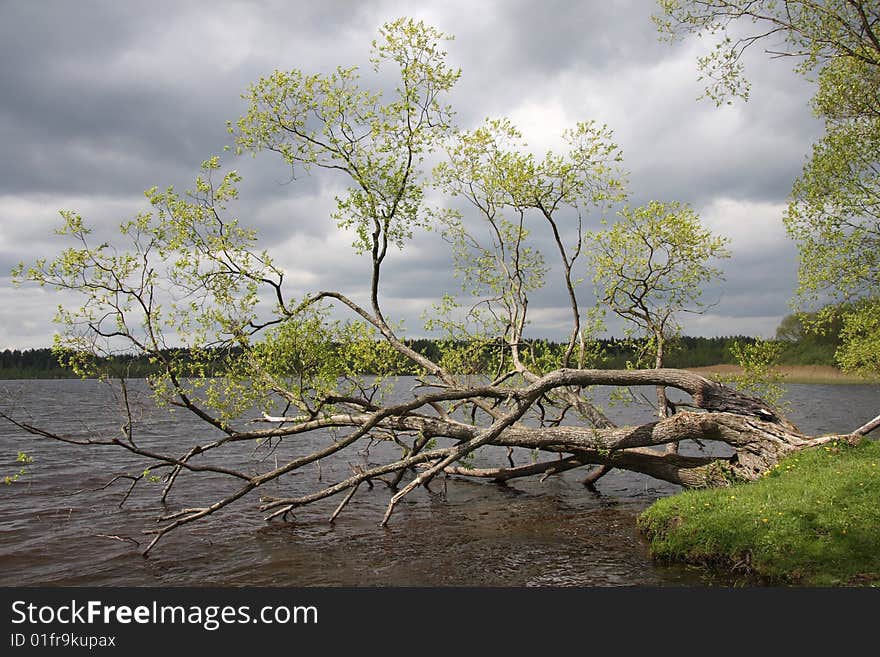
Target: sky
x: 102, y: 100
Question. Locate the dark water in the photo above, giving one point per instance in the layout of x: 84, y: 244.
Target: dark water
x: 56, y: 529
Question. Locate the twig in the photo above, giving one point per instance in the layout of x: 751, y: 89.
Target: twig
x: 119, y: 538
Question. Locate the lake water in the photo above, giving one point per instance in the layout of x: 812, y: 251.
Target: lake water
x: 57, y: 529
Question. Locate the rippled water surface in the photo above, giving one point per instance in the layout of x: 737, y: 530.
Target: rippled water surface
x: 58, y: 528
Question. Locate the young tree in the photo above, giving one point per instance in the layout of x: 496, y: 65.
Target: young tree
x: 649, y: 267
x: 834, y: 213
x: 511, y: 189
x: 189, y: 289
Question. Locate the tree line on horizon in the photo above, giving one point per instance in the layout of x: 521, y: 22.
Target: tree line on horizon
x: 797, y: 346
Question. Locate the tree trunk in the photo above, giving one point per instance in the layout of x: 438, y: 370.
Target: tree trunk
x: 662, y: 399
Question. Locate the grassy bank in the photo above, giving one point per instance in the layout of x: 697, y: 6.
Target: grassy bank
x: 789, y: 373
x: 815, y: 520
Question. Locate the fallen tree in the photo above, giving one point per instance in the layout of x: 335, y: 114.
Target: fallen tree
x: 756, y: 434
x: 192, y: 278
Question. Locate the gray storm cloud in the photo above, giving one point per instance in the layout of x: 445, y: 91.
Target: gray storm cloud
x: 100, y: 100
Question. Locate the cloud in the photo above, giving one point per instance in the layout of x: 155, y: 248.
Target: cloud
x: 100, y: 100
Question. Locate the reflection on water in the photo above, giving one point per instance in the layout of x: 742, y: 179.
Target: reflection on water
x: 459, y: 533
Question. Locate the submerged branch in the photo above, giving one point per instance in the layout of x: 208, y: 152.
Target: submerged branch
x: 500, y: 475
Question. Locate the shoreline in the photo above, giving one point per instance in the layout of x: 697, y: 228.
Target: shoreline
x: 810, y: 521
x: 817, y: 374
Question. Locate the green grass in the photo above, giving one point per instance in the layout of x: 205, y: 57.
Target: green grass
x: 814, y: 520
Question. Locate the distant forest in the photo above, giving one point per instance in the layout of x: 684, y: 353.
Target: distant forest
x: 799, y: 348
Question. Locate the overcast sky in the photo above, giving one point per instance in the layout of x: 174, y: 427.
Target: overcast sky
x: 101, y: 100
